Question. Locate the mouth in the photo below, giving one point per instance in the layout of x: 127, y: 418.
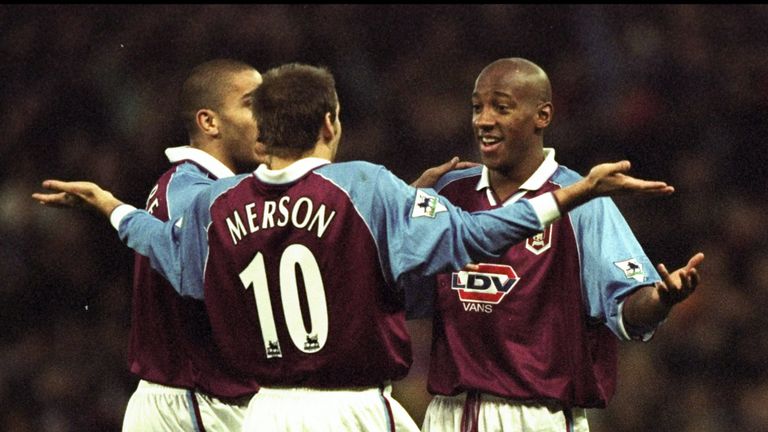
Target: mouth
x: 488, y: 143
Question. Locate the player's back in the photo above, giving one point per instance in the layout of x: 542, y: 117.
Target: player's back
x: 157, y: 346
x: 170, y: 338
x: 297, y: 266
x: 294, y: 285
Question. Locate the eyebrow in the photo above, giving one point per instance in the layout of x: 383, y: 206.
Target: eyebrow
x: 495, y: 93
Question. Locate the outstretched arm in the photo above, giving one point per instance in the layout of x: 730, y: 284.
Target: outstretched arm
x: 146, y: 234
x: 651, y: 304
x: 78, y: 194
x: 608, y: 179
x: 430, y: 177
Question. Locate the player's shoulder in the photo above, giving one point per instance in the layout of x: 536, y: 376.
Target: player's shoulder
x: 351, y: 172
x: 457, y: 175
x: 188, y: 172
x: 222, y: 186
x: 178, y: 176
x: 597, y: 207
x: 564, y: 176
x: 350, y: 166
x: 362, y: 180
x: 230, y: 182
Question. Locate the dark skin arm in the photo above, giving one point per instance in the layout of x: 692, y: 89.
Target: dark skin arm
x: 430, y: 177
x: 651, y: 304
x: 79, y: 194
x: 608, y: 179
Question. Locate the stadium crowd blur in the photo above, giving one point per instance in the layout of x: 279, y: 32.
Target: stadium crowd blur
x: 88, y: 92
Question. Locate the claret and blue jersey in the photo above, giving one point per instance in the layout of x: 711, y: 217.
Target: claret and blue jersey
x: 297, y: 267
x: 170, y: 336
x: 541, y: 322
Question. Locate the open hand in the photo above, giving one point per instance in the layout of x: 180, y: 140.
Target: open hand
x: 430, y: 177
x: 610, y: 179
x: 77, y: 194
x: 681, y: 283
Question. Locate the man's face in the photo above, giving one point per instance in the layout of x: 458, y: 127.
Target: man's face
x: 503, y: 118
x: 337, y: 131
x: 238, y: 126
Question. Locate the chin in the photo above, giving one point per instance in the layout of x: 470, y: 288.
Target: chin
x: 490, y: 162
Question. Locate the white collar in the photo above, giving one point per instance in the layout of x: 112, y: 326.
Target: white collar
x: 290, y: 173
x: 200, y: 157
x: 535, y: 181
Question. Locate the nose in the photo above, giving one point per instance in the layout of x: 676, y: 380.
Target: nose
x: 483, y: 119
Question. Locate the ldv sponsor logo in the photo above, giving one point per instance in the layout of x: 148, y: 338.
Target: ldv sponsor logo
x: 489, y: 284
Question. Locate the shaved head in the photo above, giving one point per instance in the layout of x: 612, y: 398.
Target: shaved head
x: 521, y: 74
x: 511, y: 107
x: 206, y: 88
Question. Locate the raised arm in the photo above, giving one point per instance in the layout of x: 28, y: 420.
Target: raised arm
x: 651, y: 304
x: 152, y: 237
x: 608, y: 179
x: 603, y: 180
x: 430, y: 177
x: 78, y: 194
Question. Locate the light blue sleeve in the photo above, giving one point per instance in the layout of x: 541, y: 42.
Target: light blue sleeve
x: 416, y: 230
x: 420, y: 290
x: 155, y: 239
x: 183, y: 187
x: 613, y: 264
x: 177, y: 249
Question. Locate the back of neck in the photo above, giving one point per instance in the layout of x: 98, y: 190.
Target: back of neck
x: 320, y: 150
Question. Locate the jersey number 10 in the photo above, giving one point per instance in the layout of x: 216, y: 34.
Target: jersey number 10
x: 255, y: 275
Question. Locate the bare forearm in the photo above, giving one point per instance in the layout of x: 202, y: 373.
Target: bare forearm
x: 106, y: 204
x: 607, y: 180
x: 570, y: 197
x: 645, y: 308
x: 78, y: 194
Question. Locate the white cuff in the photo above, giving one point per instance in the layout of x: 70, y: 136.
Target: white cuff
x: 119, y: 213
x: 624, y: 334
x: 546, y: 208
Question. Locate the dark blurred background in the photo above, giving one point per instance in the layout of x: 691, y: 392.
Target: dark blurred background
x: 89, y: 92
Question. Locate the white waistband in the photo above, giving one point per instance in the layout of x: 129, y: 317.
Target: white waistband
x: 487, y: 397
x: 325, y: 392
x: 150, y: 387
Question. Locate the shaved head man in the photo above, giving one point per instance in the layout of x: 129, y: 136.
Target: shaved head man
x: 528, y: 341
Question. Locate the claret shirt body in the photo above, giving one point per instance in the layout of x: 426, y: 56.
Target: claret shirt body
x: 298, y: 267
x: 540, y: 323
x: 170, y: 338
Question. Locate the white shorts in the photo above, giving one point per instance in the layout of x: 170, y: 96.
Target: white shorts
x: 220, y: 416
x: 302, y: 409
x: 495, y: 414
x: 155, y: 407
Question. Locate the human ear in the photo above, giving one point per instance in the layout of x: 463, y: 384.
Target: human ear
x: 328, y: 130
x: 207, y: 122
x: 544, y: 114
